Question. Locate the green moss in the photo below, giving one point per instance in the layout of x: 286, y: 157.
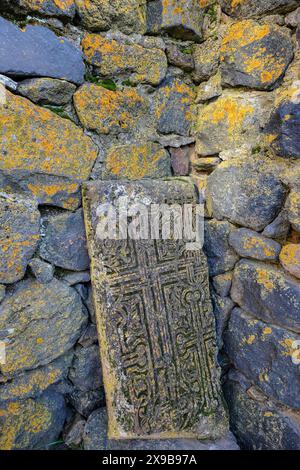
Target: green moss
x: 105, y: 83
x: 59, y: 110
x: 187, y: 50
x: 256, y: 149
x: 212, y: 13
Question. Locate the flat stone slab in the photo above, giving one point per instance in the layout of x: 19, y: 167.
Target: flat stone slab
x: 155, y: 323
x: 37, y: 52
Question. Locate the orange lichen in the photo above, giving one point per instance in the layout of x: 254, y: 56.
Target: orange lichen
x: 242, y: 34
x: 264, y: 278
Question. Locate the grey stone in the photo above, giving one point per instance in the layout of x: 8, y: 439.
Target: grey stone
x: 32, y: 424
x: 8, y: 82
x: 95, y: 438
x: 284, y: 125
x: 64, y: 243
x: 222, y: 284
x: 89, y: 303
x: 263, y: 424
x: 264, y: 354
x: 85, y: 373
x: 182, y: 19
x: 255, y: 55
x: 47, y: 91
x: 257, y: 7
x: 206, y: 57
x: 42, y: 271
x: 250, y: 244
x: 222, y: 309
x: 44, y: 320
x: 174, y: 107
x: 180, y: 159
x: 2, y: 292
x: 50, y: 8
x: 73, y: 434
x: 179, y: 59
x: 268, y: 293
x: 86, y: 402
x: 19, y: 235
x: 36, y: 51
x: 279, y: 228
x: 89, y: 336
x: 221, y: 257
x: 245, y: 193
x: 76, y: 278
x: 293, y: 18
x: 210, y: 89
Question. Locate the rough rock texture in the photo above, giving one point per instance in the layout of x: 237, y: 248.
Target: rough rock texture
x: 221, y: 257
x: 268, y: 293
x: 206, y: 58
x: 279, y: 228
x: 129, y: 16
x: 260, y: 424
x: 44, y: 321
x: 137, y: 161
x: 19, y: 236
x: 180, y: 159
x: 290, y: 259
x: 264, y: 354
x: 245, y: 193
x: 250, y: 244
x: 233, y: 120
x: 181, y: 19
x: 59, y: 8
x: 110, y: 112
x: 95, y: 438
x: 64, y: 242
x: 36, y: 51
x: 174, y: 107
x: 124, y: 57
x: 255, y: 55
x: 85, y: 373
x: 42, y: 271
x: 245, y: 8
x: 294, y: 209
x: 180, y: 59
x: 32, y: 424
x: 47, y: 91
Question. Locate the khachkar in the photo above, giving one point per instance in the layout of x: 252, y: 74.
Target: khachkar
x: 155, y: 321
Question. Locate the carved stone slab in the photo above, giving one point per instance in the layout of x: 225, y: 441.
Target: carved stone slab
x: 155, y: 323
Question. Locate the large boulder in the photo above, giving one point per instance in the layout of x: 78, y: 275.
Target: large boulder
x: 37, y: 51
x: 64, y: 241
x: 266, y: 355
x: 255, y: 55
x: 268, y: 293
x: 32, y: 424
x: 258, y: 422
x: 233, y: 120
x: 43, y: 322
x: 19, y: 236
x: 120, y: 55
x: 245, y: 193
x: 249, y: 8
x: 99, y: 15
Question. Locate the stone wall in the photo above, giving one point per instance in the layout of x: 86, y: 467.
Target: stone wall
x: 148, y: 89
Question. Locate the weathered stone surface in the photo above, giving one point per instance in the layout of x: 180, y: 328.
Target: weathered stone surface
x: 36, y: 51
x: 8, y: 83
x: 279, y: 228
x: 222, y: 309
x: 46, y: 189
x: 250, y: 244
x: 222, y: 284
x: 133, y: 269
x: 181, y: 19
x: 174, y: 107
x: 89, y: 336
x: 110, y: 112
x: 73, y: 434
x: 42, y: 271
x: 245, y: 193
x: 180, y: 59
x: 265, y: 355
x: 72, y: 278
x: 129, y: 16
x: 64, y: 242
x: 293, y: 205
x: 32, y: 424
x: 293, y: 18
x: 268, y: 293
x: 120, y: 56
x: 260, y: 425
x: 180, y: 159
x: 290, y: 259
x: 2, y: 292
x: 57, y: 8
x: 95, y: 438
x: 137, y: 161
x: 206, y: 57
x: 33, y: 383
x: 36, y: 142
x: 255, y: 55
x: 85, y: 373
x: 19, y: 236
x: 205, y: 163
x: 86, y: 402
x: 210, y: 89
x: 233, y: 120
x: 246, y: 8
x: 221, y: 257
x: 45, y: 321
x: 47, y: 91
